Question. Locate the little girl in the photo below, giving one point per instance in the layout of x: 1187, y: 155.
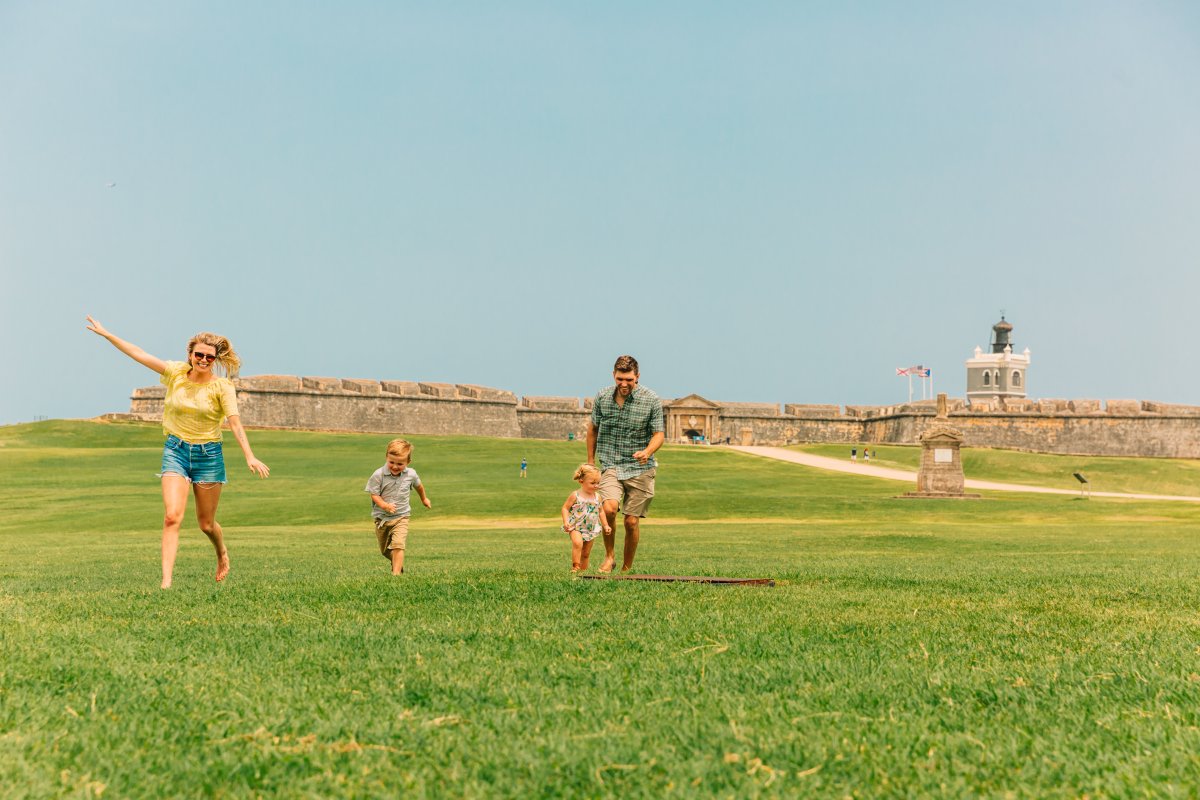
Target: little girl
x: 582, y: 520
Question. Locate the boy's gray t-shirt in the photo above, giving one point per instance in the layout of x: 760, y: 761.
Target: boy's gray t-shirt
x: 394, y: 489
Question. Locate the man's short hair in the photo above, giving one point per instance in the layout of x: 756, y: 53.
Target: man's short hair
x: 626, y: 364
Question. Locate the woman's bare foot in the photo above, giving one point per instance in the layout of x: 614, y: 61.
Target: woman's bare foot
x: 222, y: 565
x: 165, y: 585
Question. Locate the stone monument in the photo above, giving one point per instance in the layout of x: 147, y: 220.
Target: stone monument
x: 941, y: 472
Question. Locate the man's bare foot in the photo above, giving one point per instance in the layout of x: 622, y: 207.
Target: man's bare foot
x: 222, y: 565
x: 607, y: 566
x: 626, y: 567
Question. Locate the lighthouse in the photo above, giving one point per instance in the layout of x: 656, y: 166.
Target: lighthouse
x: 1000, y: 373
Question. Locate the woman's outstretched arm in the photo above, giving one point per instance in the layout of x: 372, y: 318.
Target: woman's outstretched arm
x: 132, y: 350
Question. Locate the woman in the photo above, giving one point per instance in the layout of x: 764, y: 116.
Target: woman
x: 197, y: 401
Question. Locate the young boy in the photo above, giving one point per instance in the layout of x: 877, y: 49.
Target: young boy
x: 389, y: 488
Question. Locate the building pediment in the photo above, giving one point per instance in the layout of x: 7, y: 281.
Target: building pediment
x: 692, y: 401
x: 942, y: 434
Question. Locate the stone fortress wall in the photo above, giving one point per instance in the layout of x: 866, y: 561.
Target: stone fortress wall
x: 1080, y: 427
x: 399, y: 407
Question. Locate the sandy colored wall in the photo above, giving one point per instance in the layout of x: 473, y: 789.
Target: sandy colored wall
x: 1081, y: 427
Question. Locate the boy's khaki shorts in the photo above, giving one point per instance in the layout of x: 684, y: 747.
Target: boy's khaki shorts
x: 634, y: 493
x: 392, y: 534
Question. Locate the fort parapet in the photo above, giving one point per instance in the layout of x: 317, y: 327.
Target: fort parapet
x: 368, y: 406
x: 1080, y: 427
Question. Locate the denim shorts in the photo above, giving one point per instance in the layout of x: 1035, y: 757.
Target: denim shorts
x: 199, y: 463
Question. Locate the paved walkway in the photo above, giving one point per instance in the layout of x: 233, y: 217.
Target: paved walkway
x: 910, y: 476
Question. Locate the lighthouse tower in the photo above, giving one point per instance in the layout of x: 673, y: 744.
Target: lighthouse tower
x: 1000, y: 373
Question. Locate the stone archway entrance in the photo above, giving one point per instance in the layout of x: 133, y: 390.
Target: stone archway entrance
x: 691, y: 418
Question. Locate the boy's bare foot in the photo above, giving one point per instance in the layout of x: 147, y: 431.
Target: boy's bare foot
x: 222, y: 565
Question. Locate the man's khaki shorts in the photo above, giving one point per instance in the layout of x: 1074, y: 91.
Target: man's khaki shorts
x: 633, y: 493
x: 392, y: 534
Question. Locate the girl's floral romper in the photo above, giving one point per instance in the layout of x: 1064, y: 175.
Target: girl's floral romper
x: 584, y: 516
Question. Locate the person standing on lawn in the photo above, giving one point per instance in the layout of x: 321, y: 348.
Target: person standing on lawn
x: 624, y: 432
x: 390, y: 487
x: 196, y: 402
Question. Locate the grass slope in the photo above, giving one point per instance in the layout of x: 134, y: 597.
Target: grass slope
x: 1173, y: 476
x: 1017, y: 646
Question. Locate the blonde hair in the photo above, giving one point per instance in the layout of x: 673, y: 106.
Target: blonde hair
x: 585, y: 470
x: 399, y: 447
x: 227, y: 358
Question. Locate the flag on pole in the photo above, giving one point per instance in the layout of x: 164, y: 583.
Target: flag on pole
x: 924, y: 372
x: 901, y: 371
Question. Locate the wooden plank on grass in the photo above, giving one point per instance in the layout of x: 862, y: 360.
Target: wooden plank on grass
x: 684, y: 579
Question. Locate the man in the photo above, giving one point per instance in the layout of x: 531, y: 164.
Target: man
x: 625, y: 430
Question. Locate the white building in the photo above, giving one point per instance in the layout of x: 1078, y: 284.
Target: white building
x: 1000, y: 373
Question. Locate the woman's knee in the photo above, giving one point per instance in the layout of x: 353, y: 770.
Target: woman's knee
x: 172, y: 518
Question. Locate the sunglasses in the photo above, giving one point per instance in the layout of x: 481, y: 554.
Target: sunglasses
x: 206, y: 356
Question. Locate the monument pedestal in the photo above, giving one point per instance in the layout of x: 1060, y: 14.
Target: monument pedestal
x: 941, y: 474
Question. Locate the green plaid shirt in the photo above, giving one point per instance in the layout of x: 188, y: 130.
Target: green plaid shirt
x: 622, y: 430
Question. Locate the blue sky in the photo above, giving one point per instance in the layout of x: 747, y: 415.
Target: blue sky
x: 777, y: 202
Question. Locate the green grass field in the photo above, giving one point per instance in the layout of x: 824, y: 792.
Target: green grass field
x: 1016, y: 646
x: 1128, y: 475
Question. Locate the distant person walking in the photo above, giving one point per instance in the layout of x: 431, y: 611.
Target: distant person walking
x: 625, y: 430
x: 524, y: 467
x: 196, y: 402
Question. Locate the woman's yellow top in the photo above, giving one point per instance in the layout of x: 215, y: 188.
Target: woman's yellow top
x: 194, y: 411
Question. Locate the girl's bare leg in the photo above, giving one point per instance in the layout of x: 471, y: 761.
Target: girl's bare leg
x: 175, y: 492
x: 585, y: 553
x: 576, y: 550
x: 207, y: 497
